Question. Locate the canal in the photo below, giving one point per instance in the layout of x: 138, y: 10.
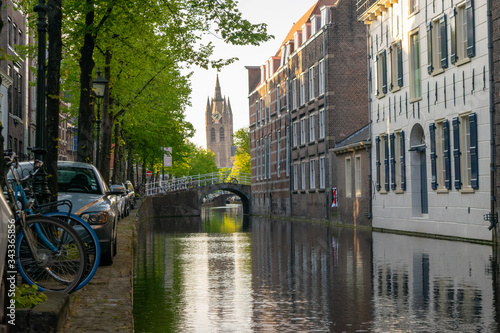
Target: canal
x: 223, y: 273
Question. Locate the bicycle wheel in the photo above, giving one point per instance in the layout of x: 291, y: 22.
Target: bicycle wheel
x: 60, y: 250
x: 90, y: 242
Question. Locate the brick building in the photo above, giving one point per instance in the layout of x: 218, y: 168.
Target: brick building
x: 431, y: 115
x: 219, y: 127
x: 305, y: 99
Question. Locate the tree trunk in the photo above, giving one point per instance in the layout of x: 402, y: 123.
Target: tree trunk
x: 116, y: 161
x: 107, y: 125
x: 85, y: 147
x: 130, y: 166
x: 54, y: 15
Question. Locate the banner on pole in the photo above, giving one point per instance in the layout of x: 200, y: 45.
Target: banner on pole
x: 334, y: 197
x: 167, y: 157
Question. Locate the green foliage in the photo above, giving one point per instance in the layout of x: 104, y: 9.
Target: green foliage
x: 241, y: 139
x: 194, y: 161
x: 27, y: 296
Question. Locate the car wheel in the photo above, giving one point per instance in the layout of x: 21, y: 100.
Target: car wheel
x: 107, y: 257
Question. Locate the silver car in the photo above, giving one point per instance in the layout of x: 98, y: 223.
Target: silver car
x: 91, y: 198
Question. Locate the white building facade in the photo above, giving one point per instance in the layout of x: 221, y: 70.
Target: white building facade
x: 430, y: 115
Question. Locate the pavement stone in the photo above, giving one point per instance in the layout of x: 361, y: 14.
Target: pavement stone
x: 105, y: 303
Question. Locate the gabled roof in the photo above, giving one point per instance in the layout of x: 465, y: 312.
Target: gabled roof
x: 357, y: 140
x: 297, y: 26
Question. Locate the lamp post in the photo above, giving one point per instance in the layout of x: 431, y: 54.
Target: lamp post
x: 40, y: 179
x: 99, y: 85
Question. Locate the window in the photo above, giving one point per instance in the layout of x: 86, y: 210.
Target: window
x: 257, y: 156
x: 294, y: 94
x: 278, y: 152
x: 302, y: 131
x: 312, y: 123
x: 397, y: 161
x: 322, y: 172
x: 20, y: 37
x: 9, y: 22
x: 262, y: 143
x: 325, y: 15
x: 303, y: 175
x: 348, y: 185
x: 221, y: 133
x: 302, y: 90
x: 295, y: 177
x: 261, y: 111
x: 382, y: 151
x: 465, y: 151
x: 212, y: 135
x: 294, y: 134
x: 357, y: 176
x: 415, y: 82
x: 269, y: 157
x: 264, y: 154
x: 396, y: 20
x: 396, y: 59
x: 439, y: 133
x: 287, y: 150
x: 437, y: 46
x: 311, y: 83
x: 312, y: 174
x: 462, y: 32
x: 257, y: 113
x: 278, y: 99
x: 321, y: 77
x: 381, y: 73
x: 322, y: 123
x: 14, y: 34
x: 412, y: 6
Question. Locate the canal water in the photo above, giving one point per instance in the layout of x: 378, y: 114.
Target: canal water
x: 224, y: 273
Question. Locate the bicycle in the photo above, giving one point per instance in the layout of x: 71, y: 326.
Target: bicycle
x: 84, y: 230
x: 49, y: 253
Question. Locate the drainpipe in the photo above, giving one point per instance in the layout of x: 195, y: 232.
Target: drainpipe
x: 493, y: 219
x: 327, y: 189
x: 370, y: 197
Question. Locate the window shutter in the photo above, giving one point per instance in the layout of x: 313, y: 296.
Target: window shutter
x: 447, y: 159
x: 432, y: 133
x: 393, y: 163
x: 391, y: 84
x: 474, y: 181
x: 429, y: 48
x: 453, y: 35
x: 386, y: 163
x: 402, y: 157
x: 471, y: 47
x: 376, y: 73
x: 384, y: 72
x: 456, y: 152
x: 444, y: 41
x: 400, y: 64
x: 377, y: 163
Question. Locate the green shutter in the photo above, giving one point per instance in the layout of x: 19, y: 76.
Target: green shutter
x: 429, y: 48
x: 386, y: 162
x: 384, y: 72
x: 453, y: 34
x: 432, y: 134
x: 377, y: 162
x: 444, y: 41
x: 456, y: 152
x: 400, y: 64
x: 474, y: 181
x: 402, y: 159
x: 446, y: 153
x: 393, y: 163
x: 391, y: 84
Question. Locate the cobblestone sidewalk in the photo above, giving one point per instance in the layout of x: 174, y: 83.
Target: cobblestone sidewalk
x: 105, y: 303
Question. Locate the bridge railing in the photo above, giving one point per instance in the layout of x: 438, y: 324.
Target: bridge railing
x: 187, y: 182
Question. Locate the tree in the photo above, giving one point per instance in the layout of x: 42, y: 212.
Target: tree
x: 241, y: 139
x: 195, y: 160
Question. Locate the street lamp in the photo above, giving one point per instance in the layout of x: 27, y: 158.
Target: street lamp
x: 99, y: 85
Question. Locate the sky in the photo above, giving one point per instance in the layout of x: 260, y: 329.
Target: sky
x: 279, y: 15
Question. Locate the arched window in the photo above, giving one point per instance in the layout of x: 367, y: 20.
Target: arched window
x: 221, y: 133
x: 212, y: 134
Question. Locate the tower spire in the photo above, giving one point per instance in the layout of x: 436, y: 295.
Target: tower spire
x: 218, y: 95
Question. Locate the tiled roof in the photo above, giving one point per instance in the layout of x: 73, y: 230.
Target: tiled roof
x: 361, y: 135
x: 297, y: 26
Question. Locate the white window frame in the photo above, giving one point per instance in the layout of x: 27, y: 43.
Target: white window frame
x: 303, y: 175
x: 312, y: 123
x: 311, y: 83
x: 348, y: 178
x: 461, y: 33
x: 294, y: 134
x: 465, y: 156
x: 302, y: 131
x: 413, y: 7
x: 295, y: 177
x: 287, y: 151
x: 322, y: 172
x: 321, y: 77
x: 269, y: 156
x: 302, y: 90
x: 294, y: 94
x: 357, y: 176
x: 440, y: 148
x: 278, y: 153
x: 321, y: 121
x: 414, y: 60
x: 312, y: 174
x: 278, y: 100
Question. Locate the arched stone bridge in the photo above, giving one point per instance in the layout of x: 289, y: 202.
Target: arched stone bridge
x: 188, y: 201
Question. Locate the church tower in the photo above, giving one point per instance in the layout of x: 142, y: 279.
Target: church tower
x: 219, y: 127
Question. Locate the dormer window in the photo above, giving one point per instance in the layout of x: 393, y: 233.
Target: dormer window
x: 306, y: 31
x: 298, y: 38
x: 325, y: 15
x: 315, y: 23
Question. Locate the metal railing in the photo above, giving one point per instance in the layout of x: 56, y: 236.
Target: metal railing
x: 187, y: 182
x: 363, y: 5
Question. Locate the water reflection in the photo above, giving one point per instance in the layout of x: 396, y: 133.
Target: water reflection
x: 219, y: 273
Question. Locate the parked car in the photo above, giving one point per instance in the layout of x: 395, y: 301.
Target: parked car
x: 91, y: 198
x: 121, y: 199
x: 130, y: 193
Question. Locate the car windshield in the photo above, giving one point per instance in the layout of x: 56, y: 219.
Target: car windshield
x: 74, y: 179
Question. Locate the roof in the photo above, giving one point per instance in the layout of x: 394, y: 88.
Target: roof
x: 297, y: 26
x: 357, y: 140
